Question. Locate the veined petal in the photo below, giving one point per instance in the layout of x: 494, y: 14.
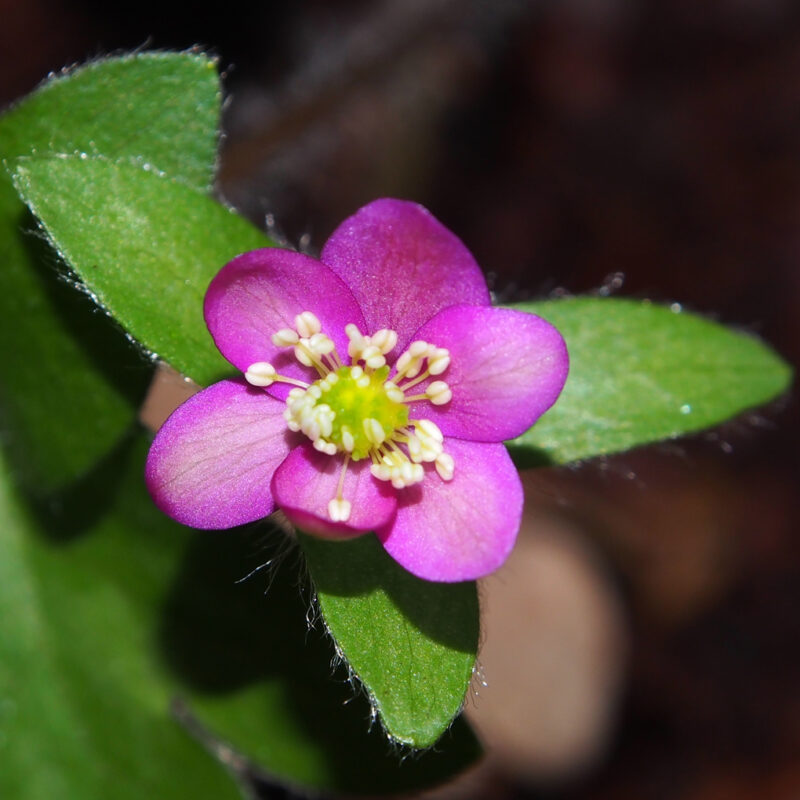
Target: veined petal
x: 403, y: 266
x: 506, y: 369
x: 211, y: 462
x: 261, y: 292
x: 308, y: 480
x: 460, y: 529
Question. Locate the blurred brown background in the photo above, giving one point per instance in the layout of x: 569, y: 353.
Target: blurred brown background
x: 644, y: 640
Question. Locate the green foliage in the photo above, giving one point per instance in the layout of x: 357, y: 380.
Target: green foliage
x: 110, y: 609
x: 159, y: 109
x: 641, y: 373
x: 147, y: 247
x: 83, y: 699
x: 397, y: 631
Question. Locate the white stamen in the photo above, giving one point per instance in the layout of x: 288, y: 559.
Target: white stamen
x: 291, y: 423
x: 339, y: 509
x: 348, y: 442
x: 352, y: 331
x: 320, y: 344
x: 307, y: 324
x: 302, y: 355
x: 325, y: 418
x: 445, y: 466
x: 262, y: 373
x: 439, y: 393
x: 384, y: 339
x: 407, y: 472
x: 394, y: 393
x: 372, y: 357
x: 357, y: 341
x: 439, y: 361
x: 403, y: 362
x: 330, y: 380
x: 329, y: 448
x: 426, y: 449
x: 285, y: 337
x: 429, y: 428
x: 381, y: 471
x: 374, y: 430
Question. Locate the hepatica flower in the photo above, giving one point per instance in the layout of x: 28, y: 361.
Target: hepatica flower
x: 378, y: 386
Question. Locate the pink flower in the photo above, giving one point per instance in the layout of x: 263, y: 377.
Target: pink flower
x: 379, y: 386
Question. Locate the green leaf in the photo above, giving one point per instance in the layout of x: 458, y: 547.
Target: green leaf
x: 160, y: 110
x: 70, y: 383
x: 146, y: 246
x: 411, y: 642
x: 109, y: 609
x: 83, y: 702
x: 641, y: 373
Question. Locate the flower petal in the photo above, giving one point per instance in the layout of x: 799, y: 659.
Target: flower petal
x: 461, y: 529
x: 211, y: 462
x: 506, y: 369
x: 307, y: 481
x: 403, y: 266
x: 259, y: 293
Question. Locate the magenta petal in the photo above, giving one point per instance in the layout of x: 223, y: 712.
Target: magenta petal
x: 403, y: 266
x: 261, y: 292
x: 461, y: 529
x: 211, y: 462
x: 507, y: 368
x: 307, y: 481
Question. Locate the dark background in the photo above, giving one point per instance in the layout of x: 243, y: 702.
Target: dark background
x: 585, y: 145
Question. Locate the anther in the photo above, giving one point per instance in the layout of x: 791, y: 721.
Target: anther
x: 428, y: 428
x: 372, y: 357
x: 357, y: 341
x: 320, y: 344
x: 445, y: 466
x: 439, y: 361
x: 285, y: 337
x: 393, y: 392
x: 307, y: 324
x: 302, y: 355
x: 348, y: 442
x: 374, y: 430
x: 339, y: 509
x: 439, y: 393
x: 329, y: 448
x: 261, y: 373
x: 381, y: 471
x: 385, y: 340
